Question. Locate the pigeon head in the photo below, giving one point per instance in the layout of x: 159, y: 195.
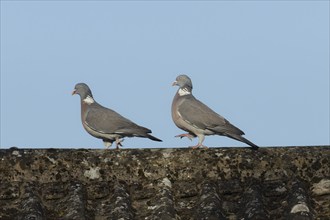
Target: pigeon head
x: 184, y: 82
x: 83, y: 90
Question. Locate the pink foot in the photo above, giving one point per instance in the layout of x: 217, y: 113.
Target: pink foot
x: 185, y: 135
x: 118, y: 143
x: 198, y: 146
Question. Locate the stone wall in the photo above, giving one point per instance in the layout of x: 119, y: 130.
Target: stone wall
x: 214, y: 183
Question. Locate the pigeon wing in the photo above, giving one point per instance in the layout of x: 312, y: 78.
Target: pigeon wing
x: 107, y: 121
x: 201, y: 116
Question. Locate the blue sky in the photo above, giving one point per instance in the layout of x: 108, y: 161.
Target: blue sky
x: 262, y: 65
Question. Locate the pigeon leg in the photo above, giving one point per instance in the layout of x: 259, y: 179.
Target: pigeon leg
x: 201, y: 138
x: 198, y: 146
x: 185, y: 135
x: 118, y: 143
x: 107, y: 144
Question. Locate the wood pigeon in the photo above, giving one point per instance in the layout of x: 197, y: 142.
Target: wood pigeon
x: 105, y: 123
x: 199, y: 120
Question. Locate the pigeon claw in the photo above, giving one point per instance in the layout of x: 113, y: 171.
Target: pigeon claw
x: 118, y: 143
x: 199, y: 146
x: 185, y: 135
x: 107, y: 144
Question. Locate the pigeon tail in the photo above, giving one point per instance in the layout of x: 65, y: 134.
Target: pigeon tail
x: 153, y: 138
x: 253, y: 146
x: 243, y: 139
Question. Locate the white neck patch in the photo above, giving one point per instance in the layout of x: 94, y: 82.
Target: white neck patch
x: 88, y: 100
x: 183, y: 92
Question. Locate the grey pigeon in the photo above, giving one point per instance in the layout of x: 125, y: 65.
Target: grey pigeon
x: 191, y: 115
x: 105, y: 123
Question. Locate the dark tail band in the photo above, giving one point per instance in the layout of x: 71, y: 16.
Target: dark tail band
x: 153, y: 138
x: 242, y: 139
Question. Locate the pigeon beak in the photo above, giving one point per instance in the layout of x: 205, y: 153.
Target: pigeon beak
x: 175, y: 83
x: 74, y: 92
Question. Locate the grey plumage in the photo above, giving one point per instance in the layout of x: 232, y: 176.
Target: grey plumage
x: 199, y: 120
x: 105, y: 123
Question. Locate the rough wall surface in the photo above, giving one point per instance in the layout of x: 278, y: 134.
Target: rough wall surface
x: 214, y: 183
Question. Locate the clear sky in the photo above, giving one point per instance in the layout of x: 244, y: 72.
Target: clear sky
x: 262, y: 65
